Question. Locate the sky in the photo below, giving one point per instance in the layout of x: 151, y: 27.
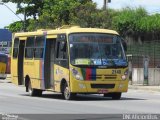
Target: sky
x: 152, y: 6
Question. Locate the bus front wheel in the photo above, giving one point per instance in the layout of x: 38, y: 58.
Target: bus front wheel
x: 67, y: 94
x: 34, y: 92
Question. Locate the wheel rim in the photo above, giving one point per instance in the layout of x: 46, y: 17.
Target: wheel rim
x: 30, y: 89
x: 66, y: 93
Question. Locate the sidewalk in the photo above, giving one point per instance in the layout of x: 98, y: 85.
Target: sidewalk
x: 146, y: 88
x: 7, y: 80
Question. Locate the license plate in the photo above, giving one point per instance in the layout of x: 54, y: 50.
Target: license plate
x: 102, y: 91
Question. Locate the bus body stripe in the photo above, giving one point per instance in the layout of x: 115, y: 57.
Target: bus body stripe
x: 83, y: 73
x: 93, y: 74
x: 88, y: 73
x: 41, y: 73
x: 42, y: 66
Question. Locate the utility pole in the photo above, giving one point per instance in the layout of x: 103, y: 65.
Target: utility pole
x: 105, y: 4
x: 24, y: 22
x: 24, y: 13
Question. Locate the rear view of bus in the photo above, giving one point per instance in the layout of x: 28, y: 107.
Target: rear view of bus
x: 3, y: 65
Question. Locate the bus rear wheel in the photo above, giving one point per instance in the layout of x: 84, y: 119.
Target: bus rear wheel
x: 67, y: 94
x: 115, y: 96
x: 34, y: 92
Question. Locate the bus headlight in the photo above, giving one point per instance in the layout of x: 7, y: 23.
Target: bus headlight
x: 124, y: 77
x: 76, y: 74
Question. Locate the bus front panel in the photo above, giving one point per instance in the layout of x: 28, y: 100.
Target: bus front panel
x: 91, y: 80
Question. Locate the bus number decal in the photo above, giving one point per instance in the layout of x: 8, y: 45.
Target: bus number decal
x: 116, y: 71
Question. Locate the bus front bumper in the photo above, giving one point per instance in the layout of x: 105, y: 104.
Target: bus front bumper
x: 99, y: 87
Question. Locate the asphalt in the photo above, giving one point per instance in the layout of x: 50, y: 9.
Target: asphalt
x: 134, y: 87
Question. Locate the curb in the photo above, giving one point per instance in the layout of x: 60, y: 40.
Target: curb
x: 147, y: 88
x: 5, y: 81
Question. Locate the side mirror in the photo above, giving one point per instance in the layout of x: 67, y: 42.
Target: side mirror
x: 63, y: 46
x: 61, y: 37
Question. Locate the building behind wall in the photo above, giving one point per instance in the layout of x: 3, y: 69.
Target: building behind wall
x: 5, y: 45
x: 144, y: 61
x: 5, y: 41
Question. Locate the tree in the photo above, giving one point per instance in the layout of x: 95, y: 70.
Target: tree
x: 60, y: 12
x: 55, y: 13
x: 16, y: 26
x: 84, y: 15
x: 30, y: 8
x: 128, y: 19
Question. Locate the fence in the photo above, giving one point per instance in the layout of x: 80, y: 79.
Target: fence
x: 144, y: 63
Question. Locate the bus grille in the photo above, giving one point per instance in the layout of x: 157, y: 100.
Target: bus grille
x: 110, y: 76
x: 104, y: 77
x: 102, y: 85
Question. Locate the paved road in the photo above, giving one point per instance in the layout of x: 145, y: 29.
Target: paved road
x: 14, y: 99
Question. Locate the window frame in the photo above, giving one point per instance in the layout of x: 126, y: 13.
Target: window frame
x: 39, y: 47
x: 15, y: 46
x: 29, y: 47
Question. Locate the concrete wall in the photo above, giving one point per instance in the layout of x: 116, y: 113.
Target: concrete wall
x: 153, y: 76
x: 137, y: 76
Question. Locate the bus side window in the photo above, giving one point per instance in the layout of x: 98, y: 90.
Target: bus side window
x: 61, y: 50
x: 39, y: 47
x: 29, y: 49
x: 15, y: 47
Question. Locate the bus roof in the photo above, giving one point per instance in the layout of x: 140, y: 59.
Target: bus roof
x: 69, y: 30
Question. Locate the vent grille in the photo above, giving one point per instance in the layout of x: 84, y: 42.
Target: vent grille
x: 102, y: 85
x: 110, y: 76
x: 104, y: 77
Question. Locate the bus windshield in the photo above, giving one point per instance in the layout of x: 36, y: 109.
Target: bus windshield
x: 96, y: 49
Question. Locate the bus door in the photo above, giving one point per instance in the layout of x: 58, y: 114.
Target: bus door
x: 49, y: 63
x: 61, y: 51
x: 20, y: 62
x: 61, y: 59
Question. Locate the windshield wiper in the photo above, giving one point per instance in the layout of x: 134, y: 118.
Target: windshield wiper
x: 113, y: 63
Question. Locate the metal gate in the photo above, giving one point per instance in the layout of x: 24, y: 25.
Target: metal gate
x: 144, y: 63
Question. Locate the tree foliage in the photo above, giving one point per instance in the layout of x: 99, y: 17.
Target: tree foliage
x: 29, y: 8
x: 126, y: 22
x: 16, y: 26
x: 55, y: 13
x: 136, y: 22
x: 32, y: 8
x: 150, y: 24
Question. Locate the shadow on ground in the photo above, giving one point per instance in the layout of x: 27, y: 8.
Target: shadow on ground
x: 84, y: 97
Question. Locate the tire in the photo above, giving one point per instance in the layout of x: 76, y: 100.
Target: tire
x: 67, y: 94
x: 115, y: 96
x: 34, y: 92
x: 107, y: 95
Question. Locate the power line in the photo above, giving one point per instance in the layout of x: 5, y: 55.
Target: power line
x: 1, y: 3
x: 24, y: 21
